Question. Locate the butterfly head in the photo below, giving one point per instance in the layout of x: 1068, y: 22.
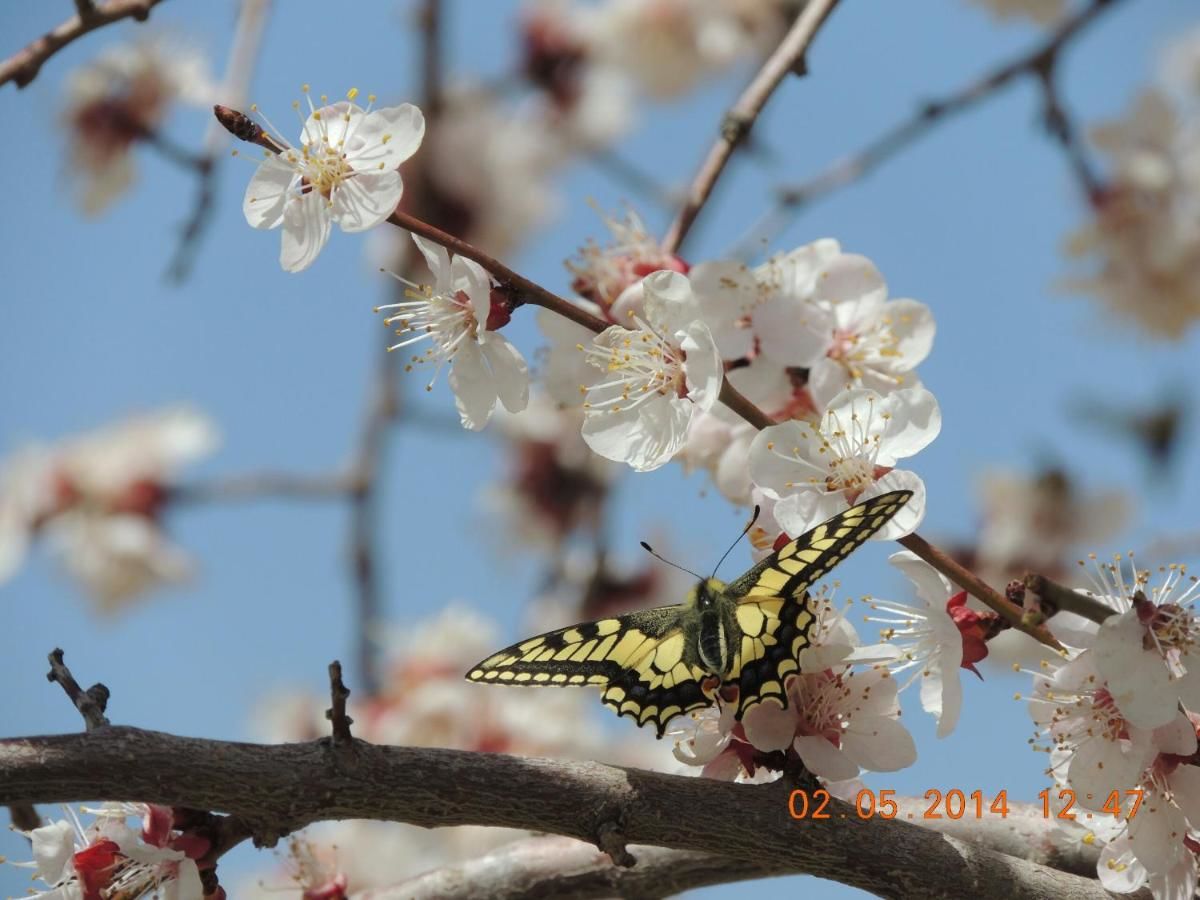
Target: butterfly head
x: 708, y: 593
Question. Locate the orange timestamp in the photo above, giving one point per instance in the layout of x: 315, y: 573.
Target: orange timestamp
x: 956, y: 804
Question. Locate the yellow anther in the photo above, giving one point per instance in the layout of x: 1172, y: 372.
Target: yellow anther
x: 352, y: 93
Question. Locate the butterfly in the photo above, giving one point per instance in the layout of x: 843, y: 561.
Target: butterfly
x: 739, y: 640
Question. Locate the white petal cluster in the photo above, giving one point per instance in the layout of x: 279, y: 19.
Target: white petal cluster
x: 118, y: 99
x: 656, y: 375
x: 800, y: 333
x: 97, y: 498
x: 345, y: 171
x: 108, y: 858
x: 1117, y: 715
x: 451, y: 318
x: 1142, y: 248
x: 817, y: 469
x: 927, y: 638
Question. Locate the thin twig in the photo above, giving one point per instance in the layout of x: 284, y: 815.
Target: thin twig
x: 86, y: 9
x: 260, y: 485
x: 740, y: 118
x: 849, y: 169
x: 252, y: 20
x: 336, y: 714
x: 1054, y: 598
x: 23, y: 66
x: 976, y: 587
x: 90, y: 703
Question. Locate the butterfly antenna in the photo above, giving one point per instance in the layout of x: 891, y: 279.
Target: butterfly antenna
x: 653, y: 553
x: 745, y: 531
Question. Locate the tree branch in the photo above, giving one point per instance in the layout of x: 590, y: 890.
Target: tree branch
x: 1053, y: 598
x: 336, y: 714
x: 276, y: 789
x: 976, y: 587
x: 1037, y: 62
x: 90, y: 703
x: 740, y: 118
x: 23, y: 66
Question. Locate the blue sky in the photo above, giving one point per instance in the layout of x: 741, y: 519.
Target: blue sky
x: 969, y: 221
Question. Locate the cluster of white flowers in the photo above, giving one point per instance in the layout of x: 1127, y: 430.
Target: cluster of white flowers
x: 1142, y: 246
x: 592, y: 60
x: 108, y: 858
x: 810, y: 337
x: 98, y: 498
x: 1117, y: 715
x: 118, y: 99
x: 843, y: 710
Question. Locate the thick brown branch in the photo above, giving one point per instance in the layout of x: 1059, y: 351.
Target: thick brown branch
x: 930, y: 115
x: 90, y: 703
x: 22, y: 67
x: 740, y: 118
x: 280, y: 788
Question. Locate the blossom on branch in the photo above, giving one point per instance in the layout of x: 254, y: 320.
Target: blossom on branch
x: 344, y: 171
x: 1144, y: 243
x: 110, y: 859
x: 816, y: 470
x: 1149, y: 652
x: 457, y: 316
x: 99, y: 499
x: 657, y: 375
x: 120, y: 98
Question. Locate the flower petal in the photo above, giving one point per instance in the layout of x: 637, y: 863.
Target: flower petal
x: 702, y: 369
x: 438, y: 260
x: 670, y: 305
x: 854, y: 287
x: 366, y: 200
x: 306, y: 227
x: 385, y: 138
x: 915, y: 421
x: 645, y: 437
x: 474, y: 389
x: 267, y: 192
x: 510, y: 373
x: 824, y: 759
x: 793, y: 332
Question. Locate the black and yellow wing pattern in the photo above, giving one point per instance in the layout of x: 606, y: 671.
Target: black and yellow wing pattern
x: 740, y: 641
x: 775, y: 613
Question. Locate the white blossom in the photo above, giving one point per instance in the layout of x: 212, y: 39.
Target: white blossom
x: 657, y: 375
x: 1143, y: 247
x: 876, y: 343
x: 455, y: 316
x: 98, y: 499
x: 928, y: 639
x: 344, y: 171
x: 122, y: 97
x: 1149, y: 652
x: 816, y: 470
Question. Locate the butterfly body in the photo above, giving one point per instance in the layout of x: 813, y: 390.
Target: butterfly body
x: 740, y: 641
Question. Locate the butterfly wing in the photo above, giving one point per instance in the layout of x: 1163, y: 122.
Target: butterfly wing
x: 795, y: 566
x: 774, y: 610
x: 638, y: 659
